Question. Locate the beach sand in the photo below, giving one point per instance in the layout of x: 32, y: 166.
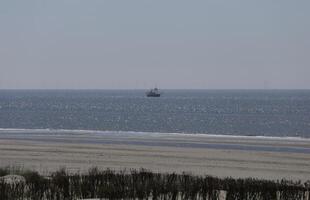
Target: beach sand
x: 197, y: 154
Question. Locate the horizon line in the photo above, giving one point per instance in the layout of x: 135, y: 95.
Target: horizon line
x: 159, y: 88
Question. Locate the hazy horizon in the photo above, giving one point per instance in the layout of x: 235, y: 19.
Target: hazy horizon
x: 146, y: 89
x: 215, y: 44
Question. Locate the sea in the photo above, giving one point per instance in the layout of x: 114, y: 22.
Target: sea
x: 274, y: 113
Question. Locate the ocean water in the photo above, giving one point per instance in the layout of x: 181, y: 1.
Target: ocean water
x: 278, y: 113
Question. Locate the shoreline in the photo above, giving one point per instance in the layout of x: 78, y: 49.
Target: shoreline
x: 222, y: 142
x: 157, y: 152
x: 88, y: 131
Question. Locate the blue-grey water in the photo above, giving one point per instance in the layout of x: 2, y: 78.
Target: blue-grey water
x: 230, y: 112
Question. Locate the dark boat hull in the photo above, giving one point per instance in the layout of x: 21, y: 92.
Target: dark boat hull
x: 153, y: 95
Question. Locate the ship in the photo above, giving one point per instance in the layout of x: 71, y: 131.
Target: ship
x: 153, y: 93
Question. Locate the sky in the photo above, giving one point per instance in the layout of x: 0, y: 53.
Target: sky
x: 171, y: 44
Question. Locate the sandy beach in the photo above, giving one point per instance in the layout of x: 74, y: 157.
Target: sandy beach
x: 259, y: 157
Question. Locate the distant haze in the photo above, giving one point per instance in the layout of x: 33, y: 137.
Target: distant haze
x: 203, y: 44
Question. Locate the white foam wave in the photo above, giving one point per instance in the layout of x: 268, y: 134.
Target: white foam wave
x: 152, y: 134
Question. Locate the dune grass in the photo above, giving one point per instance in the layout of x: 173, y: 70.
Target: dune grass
x: 144, y: 184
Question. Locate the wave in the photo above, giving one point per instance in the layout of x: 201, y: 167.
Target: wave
x: 140, y: 133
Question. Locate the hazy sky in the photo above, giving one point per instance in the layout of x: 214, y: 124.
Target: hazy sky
x: 209, y: 44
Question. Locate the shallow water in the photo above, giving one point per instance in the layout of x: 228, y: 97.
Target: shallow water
x: 244, y: 143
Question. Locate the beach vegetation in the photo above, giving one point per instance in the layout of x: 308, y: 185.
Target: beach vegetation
x: 144, y: 184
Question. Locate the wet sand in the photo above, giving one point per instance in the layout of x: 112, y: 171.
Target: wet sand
x: 258, y: 157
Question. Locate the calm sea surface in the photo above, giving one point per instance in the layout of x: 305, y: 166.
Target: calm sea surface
x: 231, y: 112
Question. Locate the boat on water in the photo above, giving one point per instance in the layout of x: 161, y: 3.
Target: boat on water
x: 153, y: 93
